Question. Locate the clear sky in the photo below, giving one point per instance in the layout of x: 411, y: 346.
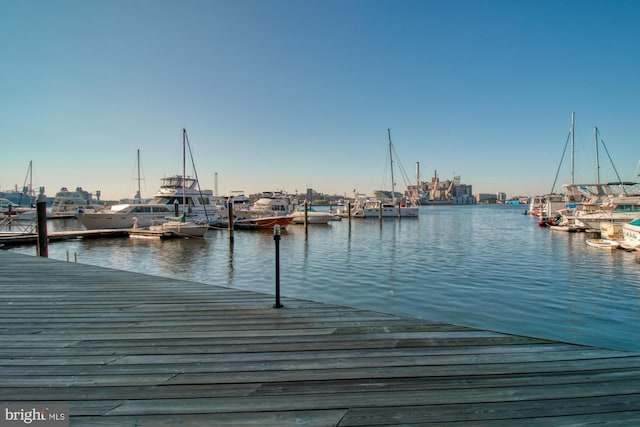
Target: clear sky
x: 287, y: 94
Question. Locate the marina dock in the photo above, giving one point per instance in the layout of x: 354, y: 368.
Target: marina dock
x: 127, y: 349
x: 56, y: 236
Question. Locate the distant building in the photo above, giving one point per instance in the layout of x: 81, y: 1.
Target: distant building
x: 447, y: 192
x: 486, y: 198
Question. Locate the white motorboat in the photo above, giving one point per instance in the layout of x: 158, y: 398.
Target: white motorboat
x: 631, y: 234
x: 271, y: 203
x: 313, y: 216
x: 170, y: 200
x: 124, y: 216
x: 613, y: 209
x: 274, y: 207
x: 374, y: 208
x: 602, y: 244
x: 182, y: 228
x: 172, y: 227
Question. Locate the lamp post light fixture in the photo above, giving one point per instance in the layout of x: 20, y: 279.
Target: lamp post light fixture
x: 276, y: 238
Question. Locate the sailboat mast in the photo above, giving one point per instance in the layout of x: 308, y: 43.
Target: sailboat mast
x: 32, y: 194
x: 393, y: 188
x: 139, y: 193
x: 573, y: 115
x: 595, y: 138
x: 184, y: 170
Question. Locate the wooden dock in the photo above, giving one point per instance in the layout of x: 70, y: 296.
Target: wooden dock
x: 126, y: 349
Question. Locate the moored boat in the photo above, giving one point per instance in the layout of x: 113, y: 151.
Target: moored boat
x: 374, y: 208
x: 181, y: 227
x: 274, y: 207
x: 261, y: 223
x: 313, y: 216
x: 618, y: 209
x: 605, y: 244
x: 178, y: 195
x: 631, y: 234
x: 124, y: 215
x: 377, y: 207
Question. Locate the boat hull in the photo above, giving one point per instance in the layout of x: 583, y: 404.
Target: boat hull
x: 594, y: 221
x: 631, y: 234
x: 262, y: 223
x: 312, y: 218
x: 602, y: 244
x: 103, y: 221
x: 182, y: 229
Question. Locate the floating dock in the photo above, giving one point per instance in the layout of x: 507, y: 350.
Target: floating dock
x: 15, y: 239
x: 125, y: 349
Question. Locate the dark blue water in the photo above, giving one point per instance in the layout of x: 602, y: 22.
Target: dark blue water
x: 484, y: 266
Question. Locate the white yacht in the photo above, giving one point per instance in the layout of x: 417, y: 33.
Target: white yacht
x: 313, y: 216
x: 374, y: 208
x: 615, y: 210
x: 168, y: 201
x: 613, y: 203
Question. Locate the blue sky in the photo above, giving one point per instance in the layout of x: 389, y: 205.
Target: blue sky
x: 279, y: 94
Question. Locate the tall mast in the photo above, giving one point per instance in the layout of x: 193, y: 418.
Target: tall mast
x: 393, y: 188
x: 31, y: 192
x: 184, y: 170
x: 139, y: 192
x: 595, y: 138
x: 573, y: 115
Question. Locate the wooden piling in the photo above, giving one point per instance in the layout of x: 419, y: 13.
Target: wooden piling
x: 41, y: 226
x: 230, y: 218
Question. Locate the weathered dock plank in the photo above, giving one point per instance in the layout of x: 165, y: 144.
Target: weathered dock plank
x: 125, y: 349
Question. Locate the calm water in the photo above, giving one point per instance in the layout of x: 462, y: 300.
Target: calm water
x: 484, y: 266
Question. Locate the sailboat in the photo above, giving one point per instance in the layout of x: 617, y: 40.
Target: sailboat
x: 22, y: 204
x: 178, y: 225
x: 377, y: 207
x: 598, y: 205
x: 178, y: 195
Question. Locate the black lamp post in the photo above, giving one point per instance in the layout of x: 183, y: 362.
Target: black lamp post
x: 276, y: 238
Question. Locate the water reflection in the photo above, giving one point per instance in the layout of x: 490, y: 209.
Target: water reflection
x: 230, y: 264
